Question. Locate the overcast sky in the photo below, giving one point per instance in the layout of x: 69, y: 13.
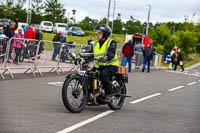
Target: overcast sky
x: 161, y: 10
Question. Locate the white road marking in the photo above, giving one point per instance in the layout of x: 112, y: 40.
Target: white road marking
x: 56, y: 83
x: 193, y: 66
x: 199, y: 80
x: 78, y: 125
x: 145, y: 98
x: 191, y: 83
x: 176, y: 88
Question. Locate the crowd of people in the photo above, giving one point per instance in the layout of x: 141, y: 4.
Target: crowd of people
x: 130, y: 48
x: 176, y: 58
x: 24, y: 32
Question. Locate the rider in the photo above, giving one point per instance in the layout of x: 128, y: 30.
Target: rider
x: 106, y: 58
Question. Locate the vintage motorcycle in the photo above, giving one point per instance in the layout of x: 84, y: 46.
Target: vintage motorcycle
x: 84, y: 88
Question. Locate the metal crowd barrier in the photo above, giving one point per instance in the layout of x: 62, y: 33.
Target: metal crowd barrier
x: 26, y: 55
x: 32, y: 58
x: 63, y: 58
x: 3, y: 44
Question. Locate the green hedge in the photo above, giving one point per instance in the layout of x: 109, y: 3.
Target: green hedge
x: 87, y: 33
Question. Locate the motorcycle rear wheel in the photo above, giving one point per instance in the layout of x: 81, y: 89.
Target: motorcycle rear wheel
x: 118, y: 101
x: 74, y: 95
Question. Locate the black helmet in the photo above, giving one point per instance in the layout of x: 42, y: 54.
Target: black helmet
x: 103, y: 28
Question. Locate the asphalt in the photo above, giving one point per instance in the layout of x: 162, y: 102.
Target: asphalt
x: 34, y: 106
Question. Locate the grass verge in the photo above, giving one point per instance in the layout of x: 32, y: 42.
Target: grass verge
x: 78, y: 40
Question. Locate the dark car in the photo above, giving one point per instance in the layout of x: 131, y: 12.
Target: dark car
x: 4, y: 22
x: 76, y: 31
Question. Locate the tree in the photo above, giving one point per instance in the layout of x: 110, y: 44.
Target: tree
x: 187, y: 41
x: 53, y: 9
x: 161, y: 35
x: 133, y: 26
x: 37, y: 14
x: 19, y: 11
x: 88, y: 24
x: 117, y: 27
x: 7, y: 9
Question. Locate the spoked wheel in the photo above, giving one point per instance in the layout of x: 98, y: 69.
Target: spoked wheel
x: 21, y: 56
x: 118, y: 100
x: 74, y: 96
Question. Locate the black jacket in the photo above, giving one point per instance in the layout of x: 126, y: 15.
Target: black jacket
x: 56, y: 38
x: 180, y: 57
x: 9, y: 32
x: 148, y: 52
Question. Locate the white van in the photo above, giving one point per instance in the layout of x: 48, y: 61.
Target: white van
x: 46, y: 26
x: 60, y: 27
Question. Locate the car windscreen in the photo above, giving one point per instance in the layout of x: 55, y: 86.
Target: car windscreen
x: 77, y: 29
x: 47, y: 24
x: 61, y: 26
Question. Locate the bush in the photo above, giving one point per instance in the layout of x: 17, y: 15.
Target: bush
x: 87, y: 33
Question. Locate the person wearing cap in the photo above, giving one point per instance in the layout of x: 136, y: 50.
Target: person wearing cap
x: 106, y: 60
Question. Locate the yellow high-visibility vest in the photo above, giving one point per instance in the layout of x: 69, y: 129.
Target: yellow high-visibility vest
x: 101, y: 52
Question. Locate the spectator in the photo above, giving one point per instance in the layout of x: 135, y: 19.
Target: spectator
x: 39, y: 36
x: 63, y: 38
x: 90, y: 41
x: 148, y: 54
x: 173, y: 57
x: 179, y: 60
x: 1, y: 30
x: 138, y: 47
x: 30, y: 34
x: 24, y: 29
x: 9, y: 32
x: 16, y: 23
x: 56, y: 45
x: 90, y: 44
x: 17, y: 44
x: 138, y: 54
x: 127, y: 52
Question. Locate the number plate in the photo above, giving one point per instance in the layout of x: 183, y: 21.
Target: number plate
x: 82, y: 72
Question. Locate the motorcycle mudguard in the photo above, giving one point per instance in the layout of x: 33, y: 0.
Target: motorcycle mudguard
x: 72, y: 74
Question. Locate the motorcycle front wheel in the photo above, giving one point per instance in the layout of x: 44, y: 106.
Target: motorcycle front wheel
x: 74, y: 95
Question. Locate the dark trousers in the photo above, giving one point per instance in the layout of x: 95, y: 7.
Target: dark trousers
x: 147, y: 59
x: 17, y: 54
x: 177, y: 63
x: 106, y: 73
x: 55, y: 51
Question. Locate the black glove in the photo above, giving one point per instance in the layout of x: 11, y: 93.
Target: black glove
x: 102, y: 59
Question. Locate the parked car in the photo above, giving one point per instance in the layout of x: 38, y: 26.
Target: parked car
x: 4, y: 22
x: 21, y: 24
x: 46, y: 26
x: 76, y: 31
x: 60, y: 27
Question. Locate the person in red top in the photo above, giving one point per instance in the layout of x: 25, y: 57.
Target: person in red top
x: 127, y: 52
x: 30, y: 34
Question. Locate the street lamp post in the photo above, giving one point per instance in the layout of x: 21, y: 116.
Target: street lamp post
x: 108, y: 13
x: 28, y: 20
x: 113, y: 15
x: 148, y: 20
x: 74, y: 12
